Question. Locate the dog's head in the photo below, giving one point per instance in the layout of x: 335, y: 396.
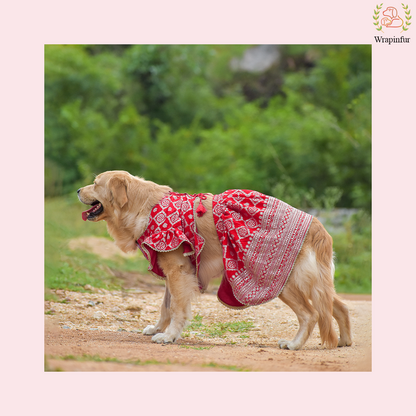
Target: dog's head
x: 124, y: 201
x: 390, y: 12
x: 108, y: 195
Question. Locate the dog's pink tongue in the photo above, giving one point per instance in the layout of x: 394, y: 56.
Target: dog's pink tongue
x: 85, y: 214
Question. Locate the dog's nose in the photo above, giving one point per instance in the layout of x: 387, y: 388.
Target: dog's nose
x: 79, y: 190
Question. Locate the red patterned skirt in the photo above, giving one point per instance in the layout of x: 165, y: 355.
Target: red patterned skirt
x: 261, y: 238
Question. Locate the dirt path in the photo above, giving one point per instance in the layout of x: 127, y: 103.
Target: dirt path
x: 101, y: 331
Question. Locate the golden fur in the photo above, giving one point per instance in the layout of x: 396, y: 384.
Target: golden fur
x: 127, y: 201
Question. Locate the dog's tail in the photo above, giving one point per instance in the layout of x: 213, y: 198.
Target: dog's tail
x: 323, y: 292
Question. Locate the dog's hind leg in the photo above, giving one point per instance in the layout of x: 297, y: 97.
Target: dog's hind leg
x: 182, y: 284
x: 307, y: 316
x: 165, y: 317
x: 342, y: 316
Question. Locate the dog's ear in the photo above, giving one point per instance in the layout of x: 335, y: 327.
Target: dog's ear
x: 118, y: 189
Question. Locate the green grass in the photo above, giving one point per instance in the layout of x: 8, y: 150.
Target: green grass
x: 225, y: 367
x: 196, y: 323
x: 72, y: 270
x: 188, y: 347
x: 353, y: 256
x: 217, y: 329
x: 97, y: 358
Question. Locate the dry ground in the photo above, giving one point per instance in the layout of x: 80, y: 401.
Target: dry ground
x: 101, y: 331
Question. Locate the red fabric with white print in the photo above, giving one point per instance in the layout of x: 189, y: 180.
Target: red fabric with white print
x: 261, y: 238
x: 172, y: 223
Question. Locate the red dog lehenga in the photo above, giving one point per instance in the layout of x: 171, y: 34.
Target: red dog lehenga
x: 261, y: 238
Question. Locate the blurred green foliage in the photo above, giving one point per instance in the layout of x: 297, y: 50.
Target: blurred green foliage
x: 178, y: 115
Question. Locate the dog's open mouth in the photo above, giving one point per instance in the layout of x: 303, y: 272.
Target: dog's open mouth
x: 93, y: 212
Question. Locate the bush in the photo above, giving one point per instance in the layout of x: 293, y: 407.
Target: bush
x: 176, y: 114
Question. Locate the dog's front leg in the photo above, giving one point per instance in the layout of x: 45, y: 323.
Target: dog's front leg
x: 182, y: 284
x: 165, y: 317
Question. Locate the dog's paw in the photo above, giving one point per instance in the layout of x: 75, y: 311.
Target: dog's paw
x: 344, y: 343
x: 165, y: 338
x: 150, y: 330
x: 287, y: 345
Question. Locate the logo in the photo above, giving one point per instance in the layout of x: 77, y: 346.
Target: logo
x: 392, y: 21
x: 390, y: 18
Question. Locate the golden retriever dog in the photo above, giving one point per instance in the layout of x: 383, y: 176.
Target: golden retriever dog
x: 125, y: 202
